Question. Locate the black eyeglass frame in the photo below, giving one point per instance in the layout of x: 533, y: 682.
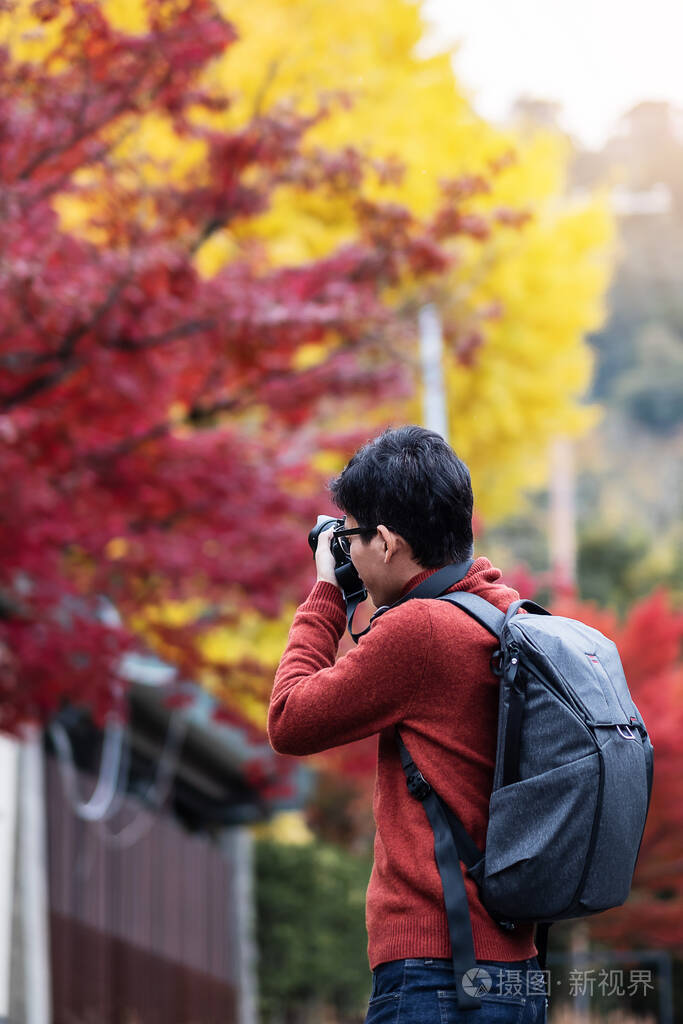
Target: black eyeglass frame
x: 341, y: 533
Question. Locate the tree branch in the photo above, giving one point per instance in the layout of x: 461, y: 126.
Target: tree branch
x: 64, y: 353
x: 172, y: 334
x: 85, y: 130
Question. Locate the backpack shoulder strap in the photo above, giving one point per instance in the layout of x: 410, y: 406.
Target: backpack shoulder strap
x: 485, y: 613
x: 439, y: 581
x: 433, y: 586
x: 447, y: 852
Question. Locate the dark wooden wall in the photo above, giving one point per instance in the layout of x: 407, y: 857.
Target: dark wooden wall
x: 143, y: 935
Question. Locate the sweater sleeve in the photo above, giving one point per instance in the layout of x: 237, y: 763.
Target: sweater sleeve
x: 317, y: 702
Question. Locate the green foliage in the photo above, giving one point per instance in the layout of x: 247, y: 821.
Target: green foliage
x: 311, y: 934
x: 639, y: 352
x: 652, y: 391
x: 607, y: 564
x: 619, y: 560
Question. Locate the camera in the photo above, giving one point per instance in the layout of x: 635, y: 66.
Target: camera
x: 324, y: 523
x: 348, y: 579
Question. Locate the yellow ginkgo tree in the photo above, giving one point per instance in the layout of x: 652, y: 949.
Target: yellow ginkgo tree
x: 517, y: 307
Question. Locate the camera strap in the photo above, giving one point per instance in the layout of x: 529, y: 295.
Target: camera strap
x: 351, y: 606
x: 434, y: 586
x: 354, y: 593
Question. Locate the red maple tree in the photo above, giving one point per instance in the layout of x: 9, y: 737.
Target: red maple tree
x: 155, y: 431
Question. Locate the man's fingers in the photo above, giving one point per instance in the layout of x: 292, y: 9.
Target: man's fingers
x: 324, y: 559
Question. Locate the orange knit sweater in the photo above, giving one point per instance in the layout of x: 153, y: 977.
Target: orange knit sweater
x: 424, y: 665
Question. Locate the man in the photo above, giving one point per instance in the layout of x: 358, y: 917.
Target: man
x: 424, y: 665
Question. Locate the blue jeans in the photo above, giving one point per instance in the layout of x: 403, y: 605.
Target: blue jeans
x: 423, y: 992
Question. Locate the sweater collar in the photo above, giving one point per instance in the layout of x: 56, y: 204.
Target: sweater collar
x: 480, y: 571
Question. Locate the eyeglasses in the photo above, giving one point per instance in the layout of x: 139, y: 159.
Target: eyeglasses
x: 342, y: 535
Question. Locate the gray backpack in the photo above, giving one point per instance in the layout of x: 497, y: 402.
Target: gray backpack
x: 571, y: 787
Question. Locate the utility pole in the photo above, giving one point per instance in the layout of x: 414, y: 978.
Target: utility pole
x: 562, y: 516
x: 239, y: 846
x: 434, y: 411
x: 9, y: 761
x: 33, y: 878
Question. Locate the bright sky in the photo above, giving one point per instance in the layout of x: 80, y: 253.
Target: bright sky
x: 598, y: 58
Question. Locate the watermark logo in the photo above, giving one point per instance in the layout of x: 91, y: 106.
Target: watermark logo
x: 609, y: 983
x: 477, y: 981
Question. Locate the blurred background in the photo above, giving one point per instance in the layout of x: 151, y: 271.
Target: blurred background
x: 237, y: 241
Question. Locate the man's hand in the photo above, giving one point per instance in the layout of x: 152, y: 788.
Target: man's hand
x: 324, y: 560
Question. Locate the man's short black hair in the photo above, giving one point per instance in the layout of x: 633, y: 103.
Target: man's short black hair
x: 412, y: 481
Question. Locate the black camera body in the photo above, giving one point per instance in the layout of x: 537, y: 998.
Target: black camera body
x: 324, y: 523
x: 348, y: 579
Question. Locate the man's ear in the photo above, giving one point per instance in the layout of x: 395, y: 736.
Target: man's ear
x: 391, y: 540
